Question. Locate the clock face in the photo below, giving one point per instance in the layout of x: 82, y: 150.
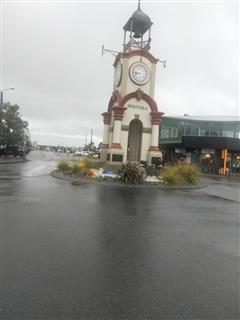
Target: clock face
x: 139, y: 73
x: 118, y: 74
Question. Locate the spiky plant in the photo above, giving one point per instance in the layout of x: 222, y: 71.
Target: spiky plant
x: 131, y: 173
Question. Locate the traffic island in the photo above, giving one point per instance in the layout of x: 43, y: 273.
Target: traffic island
x: 147, y: 183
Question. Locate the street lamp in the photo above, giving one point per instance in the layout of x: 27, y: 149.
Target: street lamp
x: 1, y: 95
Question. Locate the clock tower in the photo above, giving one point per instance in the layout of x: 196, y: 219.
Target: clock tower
x: 131, y: 122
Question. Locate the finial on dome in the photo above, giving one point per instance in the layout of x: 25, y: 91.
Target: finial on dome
x: 139, y: 4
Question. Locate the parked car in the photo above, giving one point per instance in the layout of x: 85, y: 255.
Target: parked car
x: 2, y: 151
x: 14, y: 151
x: 96, y: 155
x: 78, y: 153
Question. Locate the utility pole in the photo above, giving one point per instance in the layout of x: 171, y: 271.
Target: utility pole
x: 1, y: 96
x: 86, y: 137
x: 91, y: 135
x: 1, y: 99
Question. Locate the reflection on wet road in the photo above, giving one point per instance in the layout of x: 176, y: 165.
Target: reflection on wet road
x: 110, y: 252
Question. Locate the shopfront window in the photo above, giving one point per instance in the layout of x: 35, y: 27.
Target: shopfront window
x: 228, y: 134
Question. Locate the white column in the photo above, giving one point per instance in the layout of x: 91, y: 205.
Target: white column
x: 118, y: 115
x: 107, y: 121
x: 154, y: 137
x: 117, y: 131
x: 106, y: 134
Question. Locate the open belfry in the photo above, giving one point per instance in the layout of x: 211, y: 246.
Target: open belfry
x: 131, y: 122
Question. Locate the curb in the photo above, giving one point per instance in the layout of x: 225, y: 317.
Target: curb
x: 13, y: 161
x: 228, y: 178
x: 10, y: 178
x: 81, y: 181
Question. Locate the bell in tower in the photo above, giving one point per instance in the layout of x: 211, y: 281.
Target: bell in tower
x: 136, y: 30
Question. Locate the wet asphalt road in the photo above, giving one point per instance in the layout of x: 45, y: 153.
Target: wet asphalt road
x: 110, y: 252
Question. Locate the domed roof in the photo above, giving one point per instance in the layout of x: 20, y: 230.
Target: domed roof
x: 140, y: 22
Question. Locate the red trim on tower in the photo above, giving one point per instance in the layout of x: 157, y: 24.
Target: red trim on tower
x: 133, y: 53
x: 156, y: 117
x: 153, y: 148
x: 118, y: 113
x: 106, y: 117
x: 142, y: 53
x: 104, y: 146
x: 115, y: 98
x: 118, y: 57
x: 144, y: 96
x: 116, y: 146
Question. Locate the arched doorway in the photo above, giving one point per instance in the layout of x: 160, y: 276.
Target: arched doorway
x: 134, y: 140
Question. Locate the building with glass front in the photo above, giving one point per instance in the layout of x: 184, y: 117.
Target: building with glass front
x: 213, y: 142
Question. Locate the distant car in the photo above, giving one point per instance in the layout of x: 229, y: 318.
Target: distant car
x: 96, y: 155
x: 2, y: 151
x: 78, y: 153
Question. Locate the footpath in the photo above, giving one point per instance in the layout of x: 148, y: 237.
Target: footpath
x: 232, y: 177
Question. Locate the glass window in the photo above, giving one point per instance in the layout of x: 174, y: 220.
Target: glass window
x: 176, y: 132
x: 196, y: 131
x: 204, y: 132
x: 228, y: 133
x: 188, y: 130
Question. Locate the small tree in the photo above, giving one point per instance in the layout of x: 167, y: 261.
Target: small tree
x: 14, y: 130
x: 90, y: 147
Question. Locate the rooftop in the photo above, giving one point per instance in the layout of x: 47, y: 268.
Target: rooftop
x: 207, y: 118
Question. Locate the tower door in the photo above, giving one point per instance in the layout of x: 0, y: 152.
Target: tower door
x: 135, y: 140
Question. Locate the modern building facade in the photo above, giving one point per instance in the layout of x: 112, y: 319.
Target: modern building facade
x: 131, y: 121
x: 213, y: 142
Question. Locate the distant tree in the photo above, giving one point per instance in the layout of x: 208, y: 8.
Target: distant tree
x: 14, y: 130
x: 90, y: 147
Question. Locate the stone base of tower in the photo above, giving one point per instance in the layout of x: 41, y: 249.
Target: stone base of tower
x: 153, y: 155
x: 113, y: 155
x: 103, y: 155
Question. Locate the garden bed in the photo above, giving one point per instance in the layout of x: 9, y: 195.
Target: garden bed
x: 76, y: 180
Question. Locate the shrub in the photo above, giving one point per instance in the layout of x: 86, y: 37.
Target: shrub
x: 181, y: 173
x: 93, y: 164
x: 76, y: 168
x: 131, y: 173
x: 191, y: 173
x: 82, y: 165
x: 64, y: 165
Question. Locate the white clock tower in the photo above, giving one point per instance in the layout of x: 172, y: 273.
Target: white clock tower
x: 131, y: 122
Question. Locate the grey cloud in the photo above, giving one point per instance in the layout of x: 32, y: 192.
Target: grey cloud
x: 52, y: 56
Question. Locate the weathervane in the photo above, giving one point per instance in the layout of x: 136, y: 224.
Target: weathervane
x: 136, y: 27
x: 113, y: 52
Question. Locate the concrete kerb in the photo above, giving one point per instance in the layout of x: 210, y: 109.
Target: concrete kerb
x: 80, y: 181
x: 233, y: 177
x: 11, y: 161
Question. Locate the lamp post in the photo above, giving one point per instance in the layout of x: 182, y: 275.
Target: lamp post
x: 1, y: 95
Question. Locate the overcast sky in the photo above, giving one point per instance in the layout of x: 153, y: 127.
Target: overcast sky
x: 51, y: 54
